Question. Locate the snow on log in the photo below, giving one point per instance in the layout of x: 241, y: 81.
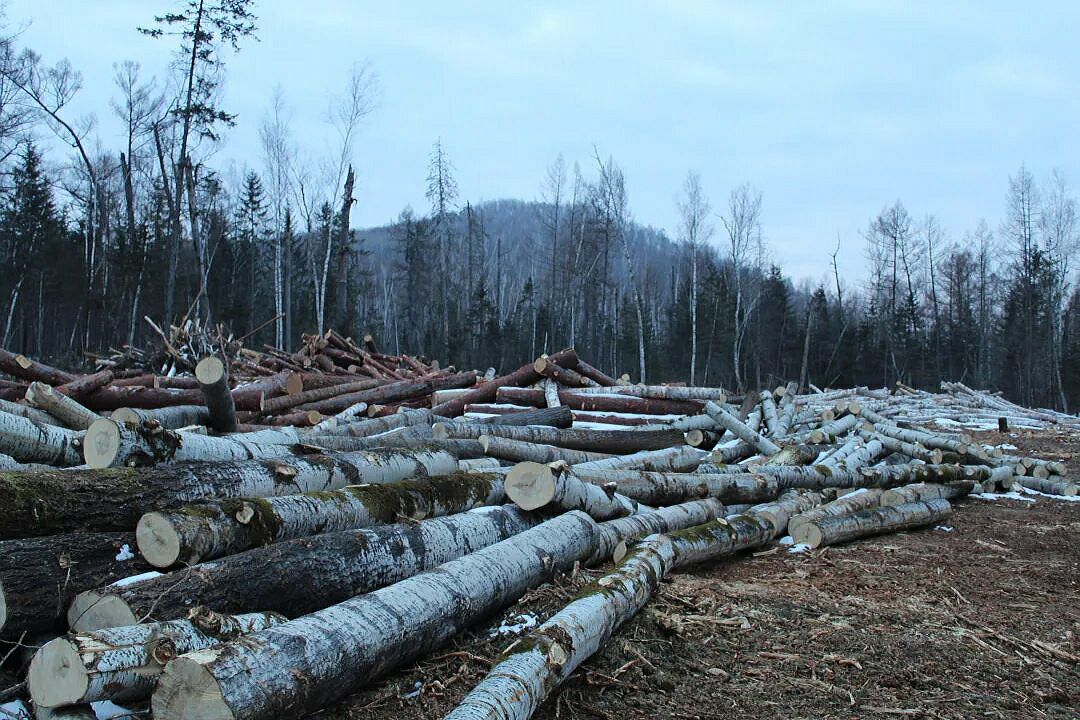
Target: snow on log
x: 213, y: 377
x: 123, y: 664
x: 1050, y: 486
x: 532, y: 486
x: 926, y: 491
x: 841, y: 528
x: 214, y: 528
x: 612, y: 441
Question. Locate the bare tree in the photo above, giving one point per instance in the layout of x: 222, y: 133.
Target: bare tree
x: 552, y: 197
x: 442, y: 193
x: 743, y: 225
x: 695, y: 230
x: 278, y: 156
x: 1060, y: 230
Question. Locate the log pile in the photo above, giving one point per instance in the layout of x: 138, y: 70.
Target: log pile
x: 256, y: 534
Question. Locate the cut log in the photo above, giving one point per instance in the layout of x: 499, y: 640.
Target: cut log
x: 383, y: 394
x: 285, y: 402
x: 519, y: 451
x: 25, y: 411
x: 556, y: 417
x: 791, y: 503
x: 23, y: 367
x: 726, y: 419
x: 212, y: 529
x: 39, y: 577
x: 861, y: 499
x: 532, y: 486
x: 84, y: 385
x: 562, y: 375
x: 30, y: 441
x: 374, y: 426
x: 600, y: 378
x: 674, y: 459
x: 308, y: 574
x: 609, y: 441
x: 604, y: 402
x: 42, y: 503
x: 123, y: 664
x: 1050, y: 486
x: 299, y: 667
x: 485, y: 392
x: 895, y: 518
x: 65, y: 409
x: 352, y: 414
x: 664, y: 392
x: 833, y: 429
x: 926, y: 491
x: 213, y: 378
x: 701, y: 438
x: 665, y: 488
x: 614, y: 535
x: 170, y: 418
x: 551, y: 393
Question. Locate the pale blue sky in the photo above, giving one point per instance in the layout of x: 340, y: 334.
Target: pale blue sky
x: 833, y: 109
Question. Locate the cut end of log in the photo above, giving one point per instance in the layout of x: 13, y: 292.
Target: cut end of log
x: 101, y: 444
x: 57, y: 676
x: 24, y: 362
x: 530, y: 485
x: 806, y: 534
x: 294, y: 384
x: 210, y: 370
x: 158, y: 540
x: 620, y: 552
x: 695, y: 438
x: 124, y: 415
x: 540, y: 364
x: 187, y: 691
x: 440, y: 431
x: 93, y: 611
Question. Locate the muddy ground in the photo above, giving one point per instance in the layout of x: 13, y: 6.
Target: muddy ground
x: 979, y: 618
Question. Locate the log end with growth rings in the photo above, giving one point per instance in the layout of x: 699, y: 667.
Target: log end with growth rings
x: 806, y: 533
x: 101, y: 444
x: 187, y: 691
x: 158, y: 541
x: 93, y: 611
x: 530, y: 485
x: 57, y: 675
x: 210, y: 370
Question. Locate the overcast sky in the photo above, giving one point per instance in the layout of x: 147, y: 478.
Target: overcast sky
x: 832, y: 109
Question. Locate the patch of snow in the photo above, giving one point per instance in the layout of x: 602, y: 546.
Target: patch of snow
x: 506, y: 628
x: 946, y: 422
x: 418, y: 687
x: 579, y: 425
x: 15, y: 710
x: 122, y: 582
x: 786, y: 540
x: 125, y: 553
x: 1007, y: 446
x: 798, y: 548
x: 1063, y: 498
x: 106, y: 710
x: 1002, y: 496
x: 944, y: 528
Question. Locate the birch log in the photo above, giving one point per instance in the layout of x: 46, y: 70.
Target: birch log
x: 532, y: 486
x: 726, y: 419
x: 895, y: 518
x: 214, y: 528
x: 662, y: 488
x: 65, y: 409
x: 608, y: 402
x: 551, y: 393
x: 673, y: 459
x: 42, y: 503
x: 519, y: 450
x: 374, y: 426
x: 170, y: 418
x: 30, y: 441
x: 123, y: 664
x: 486, y: 391
x: 28, y: 412
x: 1050, y: 486
x: 39, y: 577
x: 613, y: 441
x: 926, y: 491
x: 562, y: 375
x: 213, y: 380
x: 308, y: 574
x: 791, y: 503
x: 302, y: 665
x: 861, y: 499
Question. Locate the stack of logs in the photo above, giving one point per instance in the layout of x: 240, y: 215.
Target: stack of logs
x: 261, y: 548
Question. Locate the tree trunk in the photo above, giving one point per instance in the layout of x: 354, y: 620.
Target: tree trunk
x: 551, y: 393
x: 837, y: 529
x: 215, y: 528
x: 1049, y: 486
x: 39, y: 577
x: 213, y: 378
x: 308, y: 574
x: 791, y: 503
x: 532, y: 486
x: 30, y: 441
x: 664, y: 392
x: 666, y: 488
x: 518, y: 451
x: 594, y: 374
x: 861, y: 499
x: 727, y: 420
x: 485, y: 392
x: 41, y: 503
x: 122, y: 664
x: 611, y: 441
x: 60, y: 406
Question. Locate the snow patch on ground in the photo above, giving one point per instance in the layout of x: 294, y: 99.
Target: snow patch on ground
x: 1003, y: 496
x: 1063, y: 498
x: 125, y: 553
x: 106, y: 710
x: 14, y: 710
x: 798, y: 548
x: 508, y: 629
x: 786, y: 540
x: 944, y: 528
x: 1006, y: 446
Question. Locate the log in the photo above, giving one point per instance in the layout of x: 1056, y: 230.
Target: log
x: 666, y: 488
x: 674, y: 459
x: 42, y: 503
x: 375, y: 426
x: 215, y: 528
x: 245, y: 397
x: 921, y: 492
x: 895, y: 518
x: 122, y: 664
x: 726, y: 419
x: 486, y: 392
x: 386, y: 393
x: 769, y: 413
x: 308, y: 574
x: 29, y: 441
x: 664, y: 392
x: 519, y: 451
x: 479, y: 465
x: 65, y: 409
x: 30, y: 413
x: 1049, y: 486
x: 352, y: 414
x: 541, y: 660
x: 833, y: 429
x: 556, y: 417
x: 39, y: 577
x: 701, y: 438
x: 609, y: 402
x: 23, y: 367
x: 595, y: 375
x: 170, y: 418
x: 551, y: 393
x: 609, y: 441
x: 791, y: 503
x: 613, y: 535
x: 561, y: 375
x: 84, y: 385
x: 284, y: 402
x: 298, y: 667
x: 213, y: 378
x: 861, y: 499
x: 532, y: 486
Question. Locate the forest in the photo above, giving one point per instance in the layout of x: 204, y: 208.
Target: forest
x: 95, y: 238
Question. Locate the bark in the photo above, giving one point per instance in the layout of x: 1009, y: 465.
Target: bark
x: 551, y: 393
x: 332, y: 652
x: 123, y: 664
x: 673, y: 459
x: 170, y: 418
x: 612, y: 441
x: 23, y: 367
x: 595, y: 375
x: 665, y: 488
x: 39, y: 577
x: 284, y: 402
x: 921, y: 492
x: 832, y: 430
x: 603, y: 402
x: 213, y: 380
x: 110, y: 444
x: 29, y: 441
x: 726, y: 419
x: 729, y: 453
x: 561, y: 375
x: 42, y: 503
x: 65, y: 409
x: 485, y: 392
x: 215, y: 528
x: 701, y: 438
x: 532, y: 486
x: 518, y: 451
x: 861, y: 499
x: 895, y: 518
x: 1050, y: 486
x: 308, y: 574
x: 85, y: 385
x: 613, y: 535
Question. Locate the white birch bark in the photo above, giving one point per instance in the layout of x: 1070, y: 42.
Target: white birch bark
x: 60, y: 406
x: 663, y: 488
x: 110, y: 444
x: 1050, y: 486
x: 28, y: 441
x: 926, y: 491
x: 770, y: 414
x: 673, y: 459
x: 841, y: 528
x: 551, y: 393
x: 861, y: 499
x: 173, y: 417
x: 28, y: 412
x: 778, y: 513
x: 532, y: 486
x: 374, y: 426
x: 726, y: 419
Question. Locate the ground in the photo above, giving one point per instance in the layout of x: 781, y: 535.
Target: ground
x: 976, y: 618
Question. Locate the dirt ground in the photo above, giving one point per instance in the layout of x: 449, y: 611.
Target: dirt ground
x: 977, y: 618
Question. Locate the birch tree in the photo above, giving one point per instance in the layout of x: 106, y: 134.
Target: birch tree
x: 745, y: 244
x: 278, y: 154
x: 695, y: 230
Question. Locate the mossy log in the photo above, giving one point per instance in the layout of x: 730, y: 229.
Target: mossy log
x: 214, y: 528
x: 927, y: 491
x: 860, y: 499
x: 895, y: 518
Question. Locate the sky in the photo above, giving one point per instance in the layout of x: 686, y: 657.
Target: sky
x: 833, y: 109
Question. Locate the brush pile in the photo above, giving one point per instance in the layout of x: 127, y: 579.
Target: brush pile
x: 265, y: 535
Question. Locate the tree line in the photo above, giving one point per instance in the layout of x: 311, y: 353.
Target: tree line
x: 108, y: 235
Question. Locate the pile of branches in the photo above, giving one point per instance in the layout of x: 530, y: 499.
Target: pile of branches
x: 233, y: 555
